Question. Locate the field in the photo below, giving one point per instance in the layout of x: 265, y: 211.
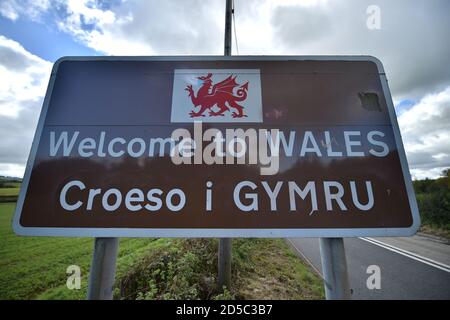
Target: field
x: 35, y: 268
x: 10, y: 193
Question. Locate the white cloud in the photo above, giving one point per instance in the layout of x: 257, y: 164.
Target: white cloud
x: 32, y: 9
x: 23, y: 78
x: 12, y: 170
x: 425, y: 129
x: 23, y: 81
x: 8, y: 10
x: 130, y: 27
x: 433, y: 173
x: 145, y: 27
x: 99, y: 29
x: 412, y: 42
x: 305, y: 27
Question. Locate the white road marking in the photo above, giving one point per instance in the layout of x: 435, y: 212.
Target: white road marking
x: 305, y: 258
x: 408, y: 254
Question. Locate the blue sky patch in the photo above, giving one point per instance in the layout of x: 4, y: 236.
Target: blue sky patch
x: 404, y: 105
x: 43, y: 39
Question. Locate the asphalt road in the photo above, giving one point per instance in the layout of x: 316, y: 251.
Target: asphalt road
x: 411, y: 268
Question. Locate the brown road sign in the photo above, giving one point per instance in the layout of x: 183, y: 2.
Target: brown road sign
x: 217, y: 147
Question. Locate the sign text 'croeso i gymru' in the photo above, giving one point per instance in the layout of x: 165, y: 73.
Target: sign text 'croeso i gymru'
x: 217, y: 146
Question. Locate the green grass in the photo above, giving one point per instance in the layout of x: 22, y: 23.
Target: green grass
x: 269, y: 269
x: 187, y: 269
x: 9, y: 194
x: 9, y: 191
x: 35, y: 268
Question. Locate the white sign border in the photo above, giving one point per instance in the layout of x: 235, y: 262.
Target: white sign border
x: 218, y: 232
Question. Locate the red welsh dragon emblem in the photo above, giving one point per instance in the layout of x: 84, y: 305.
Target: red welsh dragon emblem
x: 221, y: 94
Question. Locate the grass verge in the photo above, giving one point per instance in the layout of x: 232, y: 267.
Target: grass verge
x: 186, y: 269
x: 435, y: 230
x: 35, y: 268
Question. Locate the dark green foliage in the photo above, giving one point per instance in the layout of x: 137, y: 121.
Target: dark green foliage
x: 181, y: 269
x: 187, y: 269
x: 433, y: 199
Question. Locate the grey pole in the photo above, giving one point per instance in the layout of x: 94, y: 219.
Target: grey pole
x: 224, y: 258
x: 103, y: 269
x: 227, y: 43
x: 334, y: 268
x: 224, y: 278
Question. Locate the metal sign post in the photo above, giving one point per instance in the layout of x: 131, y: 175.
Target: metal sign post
x: 334, y: 268
x: 225, y: 245
x: 103, y: 269
x: 224, y: 263
x: 228, y: 13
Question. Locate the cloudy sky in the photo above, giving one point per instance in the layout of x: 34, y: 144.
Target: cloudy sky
x: 410, y: 37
